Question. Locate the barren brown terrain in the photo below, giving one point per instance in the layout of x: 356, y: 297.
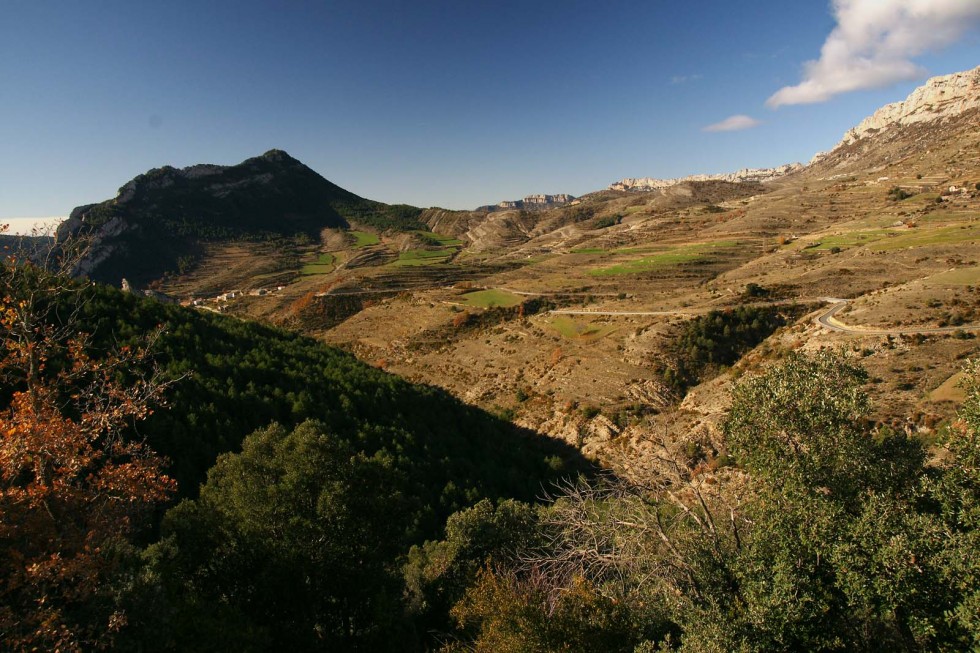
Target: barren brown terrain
x: 563, y: 319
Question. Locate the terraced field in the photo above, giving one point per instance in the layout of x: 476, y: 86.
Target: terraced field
x: 364, y: 238
x: 961, y: 277
x: 416, y: 257
x: 957, y: 235
x: 668, y: 258
x: 581, y: 330
x: 324, y: 264
x: 492, y: 297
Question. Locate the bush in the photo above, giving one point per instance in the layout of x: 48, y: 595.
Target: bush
x: 897, y: 194
x: 607, y: 221
x: 755, y: 290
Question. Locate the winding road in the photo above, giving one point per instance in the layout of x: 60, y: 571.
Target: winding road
x: 827, y: 319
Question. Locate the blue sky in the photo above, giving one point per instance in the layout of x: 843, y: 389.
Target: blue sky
x: 450, y: 103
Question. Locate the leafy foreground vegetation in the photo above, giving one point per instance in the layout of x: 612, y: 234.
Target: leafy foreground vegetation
x: 370, y: 514
x: 823, y: 535
x: 70, y: 430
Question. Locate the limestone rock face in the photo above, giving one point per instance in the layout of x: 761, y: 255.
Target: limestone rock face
x: 101, y: 241
x: 940, y: 97
x: 538, y: 201
x: 643, y: 184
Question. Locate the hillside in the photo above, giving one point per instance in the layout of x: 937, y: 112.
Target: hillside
x: 567, y: 319
x: 161, y: 219
x: 769, y: 369
x: 625, y: 275
x: 239, y: 376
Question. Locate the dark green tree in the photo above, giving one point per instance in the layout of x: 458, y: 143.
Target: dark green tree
x: 957, y: 492
x: 292, y: 541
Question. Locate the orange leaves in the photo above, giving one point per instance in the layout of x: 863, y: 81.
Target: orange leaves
x: 71, y: 488
x: 302, y: 303
x: 556, y: 356
x: 461, y: 319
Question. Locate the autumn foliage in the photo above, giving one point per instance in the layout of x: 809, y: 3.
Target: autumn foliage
x: 72, y: 489
x: 302, y: 303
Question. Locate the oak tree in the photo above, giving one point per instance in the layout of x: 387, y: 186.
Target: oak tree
x: 72, y: 488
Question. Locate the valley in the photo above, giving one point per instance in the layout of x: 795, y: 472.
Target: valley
x: 562, y: 319
x: 246, y: 409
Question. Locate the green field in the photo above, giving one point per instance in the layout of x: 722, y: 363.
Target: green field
x: 573, y: 329
x: 925, y: 237
x: 439, y: 239
x: 947, y: 217
x: 671, y: 257
x: 364, y: 238
x: 962, y: 277
x: 850, y: 239
x: 538, y: 258
x: 323, y: 264
x: 643, y: 249
x: 415, y: 257
x: 488, y: 298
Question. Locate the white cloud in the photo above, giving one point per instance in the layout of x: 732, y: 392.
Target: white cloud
x: 732, y: 124
x: 873, y: 44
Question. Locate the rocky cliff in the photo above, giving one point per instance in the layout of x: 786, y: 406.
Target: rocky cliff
x: 531, y: 202
x: 743, y: 175
x: 939, y: 98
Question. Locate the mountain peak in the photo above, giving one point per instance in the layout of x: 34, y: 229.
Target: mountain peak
x: 940, y: 97
x: 277, y: 156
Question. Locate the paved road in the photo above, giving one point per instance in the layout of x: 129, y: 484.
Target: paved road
x: 571, y: 311
x: 827, y: 319
x: 688, y: 312
x: 523, y: 293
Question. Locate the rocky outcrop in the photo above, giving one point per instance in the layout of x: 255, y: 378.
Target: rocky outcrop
x: 163, y: 298
x: 101, y: 241
x: 939, y: 98
x: 531, y: 202
x: 645, y: 184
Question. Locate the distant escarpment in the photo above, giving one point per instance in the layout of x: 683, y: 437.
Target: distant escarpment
x: 645, y: 184
x: 159, y: 220
x: 531, y: 202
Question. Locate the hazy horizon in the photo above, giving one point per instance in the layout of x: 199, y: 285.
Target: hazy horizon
x: 22, y: 226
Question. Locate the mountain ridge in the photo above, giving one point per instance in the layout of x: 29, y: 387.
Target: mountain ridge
x: 159, y: 219
x: 939, y: 97
x: 644, y: 184
x: 537, y: 201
